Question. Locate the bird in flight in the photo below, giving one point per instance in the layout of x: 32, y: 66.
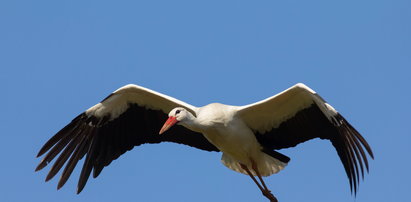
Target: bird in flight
x: 248, y: 136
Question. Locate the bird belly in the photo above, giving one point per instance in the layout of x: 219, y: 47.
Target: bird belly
x: 242, y: 147
x: 238, y: 144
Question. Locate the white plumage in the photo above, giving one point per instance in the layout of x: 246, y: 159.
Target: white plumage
x: 248, y: 136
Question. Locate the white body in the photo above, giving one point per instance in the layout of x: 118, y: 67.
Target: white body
x: 223, y: 128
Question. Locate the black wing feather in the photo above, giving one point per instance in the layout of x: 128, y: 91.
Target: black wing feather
x: 311, y: 123
x: 104, y: 140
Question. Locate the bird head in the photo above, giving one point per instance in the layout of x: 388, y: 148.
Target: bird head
x: 175, y: 116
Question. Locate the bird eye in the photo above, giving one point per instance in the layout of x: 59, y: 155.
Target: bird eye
x: 178, y: 111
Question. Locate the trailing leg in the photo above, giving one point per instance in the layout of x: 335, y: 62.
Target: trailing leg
x: 266, y: 192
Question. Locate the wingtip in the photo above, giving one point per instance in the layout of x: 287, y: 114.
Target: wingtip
x: 371, y: 153
x: 41, y: 152
x: 49, y: 177
x: 37, y: 168
x: 79, y: 189
x: 41, y: 165
x: 60, y: 185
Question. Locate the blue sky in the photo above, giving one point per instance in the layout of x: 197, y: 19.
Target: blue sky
x: 60, y: 57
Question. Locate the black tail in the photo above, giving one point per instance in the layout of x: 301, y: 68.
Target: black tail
x: 277, y: 155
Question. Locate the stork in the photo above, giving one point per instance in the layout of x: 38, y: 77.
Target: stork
x: 248, y: 136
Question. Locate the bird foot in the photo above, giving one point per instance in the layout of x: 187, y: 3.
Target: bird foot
x: 267, y: 193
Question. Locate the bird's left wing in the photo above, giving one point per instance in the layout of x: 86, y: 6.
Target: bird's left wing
x: 130, y: 116
x: 299, y: 114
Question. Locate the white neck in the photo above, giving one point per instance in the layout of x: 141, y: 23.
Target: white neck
x: 192, y: 123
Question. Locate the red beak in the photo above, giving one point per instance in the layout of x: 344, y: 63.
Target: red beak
x: 167, y: 125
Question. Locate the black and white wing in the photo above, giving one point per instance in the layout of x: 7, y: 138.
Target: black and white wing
x: 299, y: 114
x: 130, y: 116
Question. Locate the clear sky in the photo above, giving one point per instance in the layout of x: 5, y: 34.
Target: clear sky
x: 57, y: 58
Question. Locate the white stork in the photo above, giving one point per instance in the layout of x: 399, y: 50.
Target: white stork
x: 248, y: 136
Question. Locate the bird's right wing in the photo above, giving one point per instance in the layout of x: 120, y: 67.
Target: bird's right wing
x: 130, y: 116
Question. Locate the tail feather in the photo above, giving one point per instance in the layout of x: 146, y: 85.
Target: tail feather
x: 277, y: 155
